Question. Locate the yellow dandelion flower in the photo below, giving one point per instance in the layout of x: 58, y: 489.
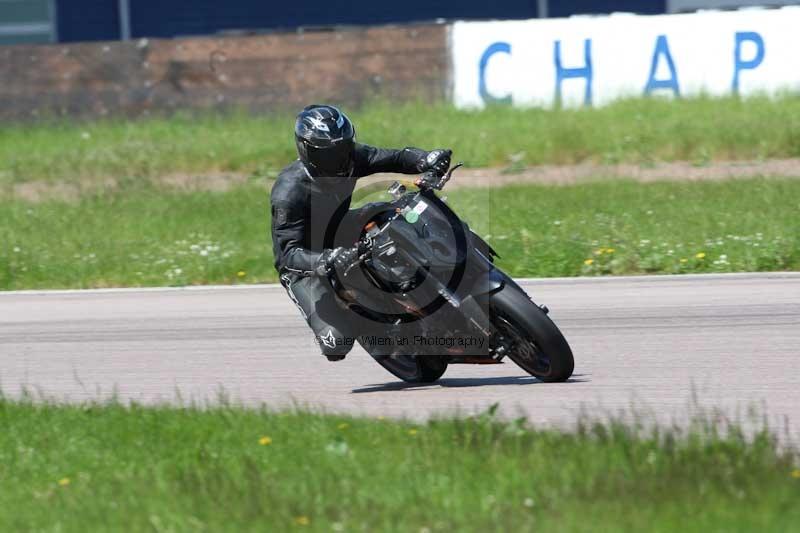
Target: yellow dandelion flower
x: 600, y: 251
x: 64, y: 481
x: 241, y: 273
x: 700, y: 255
x: 412, y: 432
x: 265, y: 441
x: 684, y: 260
x: 343, y: 426
x: 610, y: 250
x: 796, y: 473
x: 302, y: 520
x: 588, y: 262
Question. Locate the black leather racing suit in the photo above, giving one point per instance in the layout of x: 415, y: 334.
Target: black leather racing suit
x: 312, y: 214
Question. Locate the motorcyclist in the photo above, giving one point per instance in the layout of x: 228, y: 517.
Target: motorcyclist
x: 313, y: 228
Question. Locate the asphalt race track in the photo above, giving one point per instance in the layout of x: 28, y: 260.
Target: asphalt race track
x: 659, y: 345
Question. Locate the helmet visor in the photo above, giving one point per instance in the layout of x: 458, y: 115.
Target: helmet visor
x: 335, y: 160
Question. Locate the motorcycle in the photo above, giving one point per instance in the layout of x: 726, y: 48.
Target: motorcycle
x: 429, y: 287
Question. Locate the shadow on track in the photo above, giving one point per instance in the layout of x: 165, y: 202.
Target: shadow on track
x: 461, y: 382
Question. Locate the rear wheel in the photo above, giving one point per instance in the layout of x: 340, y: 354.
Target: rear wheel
x: 409, y: 368
x: 415, y: 368
x: 529, y: 337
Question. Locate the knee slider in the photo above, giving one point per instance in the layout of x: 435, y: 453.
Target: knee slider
x: 334, y: 345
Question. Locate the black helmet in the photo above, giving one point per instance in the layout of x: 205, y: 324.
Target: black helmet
x: 325, y: 140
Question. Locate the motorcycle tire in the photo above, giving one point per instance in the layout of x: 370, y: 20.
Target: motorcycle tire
x: 414, y: 368
x: 537, y: 345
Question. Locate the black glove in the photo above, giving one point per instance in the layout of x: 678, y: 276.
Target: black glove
x: 437, y: 162
x: 336, y: 259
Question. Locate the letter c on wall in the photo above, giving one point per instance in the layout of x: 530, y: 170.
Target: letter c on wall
x: 494, y: 48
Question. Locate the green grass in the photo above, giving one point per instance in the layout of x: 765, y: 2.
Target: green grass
x: 151, y: 236
x: 639, y: 131
x: 132, y: 468
x: 622, y: 227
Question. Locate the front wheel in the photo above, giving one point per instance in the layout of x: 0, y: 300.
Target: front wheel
x: 529, y: 337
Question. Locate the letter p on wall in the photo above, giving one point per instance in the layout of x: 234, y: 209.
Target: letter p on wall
x: 739, y: 63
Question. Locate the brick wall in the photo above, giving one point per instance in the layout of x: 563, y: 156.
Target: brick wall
x: 258, y: 72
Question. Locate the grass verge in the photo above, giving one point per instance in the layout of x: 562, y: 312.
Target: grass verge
x: 638, y: 131
x: 148, y: 236
x: 113, y: 467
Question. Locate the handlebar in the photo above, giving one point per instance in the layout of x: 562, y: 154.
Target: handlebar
x: 438, y: 182
x: 367, y: 247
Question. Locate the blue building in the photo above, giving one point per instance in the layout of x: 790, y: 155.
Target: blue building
x: 97, y: 20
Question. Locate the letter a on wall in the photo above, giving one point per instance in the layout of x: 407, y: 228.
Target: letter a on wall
x: 660, y: 53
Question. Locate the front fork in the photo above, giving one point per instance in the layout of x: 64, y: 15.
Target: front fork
x: 475, y: 306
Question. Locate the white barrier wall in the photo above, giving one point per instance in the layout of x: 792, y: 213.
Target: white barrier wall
x: 593, y: 60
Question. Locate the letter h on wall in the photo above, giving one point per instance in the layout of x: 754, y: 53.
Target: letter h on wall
x: 579, y: 72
